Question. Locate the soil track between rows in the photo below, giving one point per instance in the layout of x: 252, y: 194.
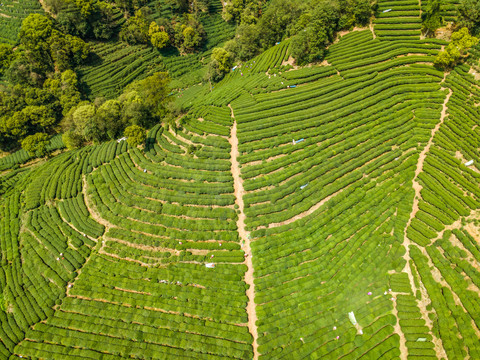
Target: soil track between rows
x: 244, y: 235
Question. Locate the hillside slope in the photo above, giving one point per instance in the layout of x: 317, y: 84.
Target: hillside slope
x: 285, y: 200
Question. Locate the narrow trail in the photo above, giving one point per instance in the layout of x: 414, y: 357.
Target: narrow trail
x: 244, y: 235
x: 438, y: 345
x: 370, y: 26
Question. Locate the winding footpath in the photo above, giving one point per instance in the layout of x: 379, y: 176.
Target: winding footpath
x: 244, y: 236
x: 438, y: 345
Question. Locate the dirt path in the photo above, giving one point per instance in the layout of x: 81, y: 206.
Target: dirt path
x: 244, y: 235
x: 406, y: 241
x: 372, y: 30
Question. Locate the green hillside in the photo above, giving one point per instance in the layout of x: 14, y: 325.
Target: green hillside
x: 326, y: 211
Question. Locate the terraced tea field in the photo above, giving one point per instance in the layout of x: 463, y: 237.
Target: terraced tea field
x: 283, y: 202
x: 12, y: 13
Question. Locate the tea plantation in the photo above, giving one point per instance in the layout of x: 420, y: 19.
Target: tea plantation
x: 324, y: 212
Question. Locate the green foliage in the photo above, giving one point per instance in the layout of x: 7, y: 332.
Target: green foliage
x: 469, y: 15
x: 152, y: 92
x: 45, y: 49
x: 36, y: 145
x: 220, y: 64
x: 432, y: 18
x: 135, y: 135
x: 158, y: 38
x: 71, y: 140
x: 6, y: 57
x: 456, y: 50
x: 242, y: 11
x: 136, y: 29
x: 189, y: 34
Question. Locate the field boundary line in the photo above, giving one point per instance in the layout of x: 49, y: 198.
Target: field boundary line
x: 244, y: 235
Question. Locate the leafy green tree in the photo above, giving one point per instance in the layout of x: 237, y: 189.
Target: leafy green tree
x: 431, y: 17
x: 103, y: 21
x: 197, y: 6
x: 135, y: 29
x: 469, y: 15
x: 40, y: 116
x: 14, y: 126
x: 72, y: 140
x: 152, y: 92
x: 220, y: 64
x: 36, y: 145
x: 109, y: 118
x: 309, y: 45
x: 277, y: 20
x: 189, y: 34
x: 35, y: 35
x: 244, y: 11
x: 456, y: 50
x: 6, y: 57
x: 158, y: 37
x: 247, y: 42
x: 82, y: 117
x: 67, y: 51
x: 179, y: 6
x: 135, y: 135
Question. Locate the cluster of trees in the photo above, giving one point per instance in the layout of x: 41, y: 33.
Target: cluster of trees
x: 242, y: 11
x: 88, y: 19
x: 312, y: 25
x: 432, y: 18
x: 93, y: 19
x: 185, y: 32
x: 28, y: 110
x: 456, y: 50
x: 43, y: 50
x: 44, y: 95
x: 43, y: 86
x: 141, y: 105
x: 468, y: 16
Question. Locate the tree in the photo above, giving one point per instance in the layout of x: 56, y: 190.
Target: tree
x: 152, y: 92
x: 244, y: 11
x: 220, y: 64
x: 135, y: 29
x: 135, y: 135
x: 34, y: 35
x: 179, y: 6
x: 71, y: 140
x: 40, y: 116
x: 6, y: 57
x: 83, y: 117
x: 469, y: 15
x: 431, y: 17
x: 277, y: 20
x: 14, y: 126
x: 109, y: 118
x: 189, y: 34
x: 247, y: 42
x: 158, y: 37
x: 67, y: 51
x: 456, y: 50
x: 309, y: 45
x: 199, y: 5
x: 36, y: 145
